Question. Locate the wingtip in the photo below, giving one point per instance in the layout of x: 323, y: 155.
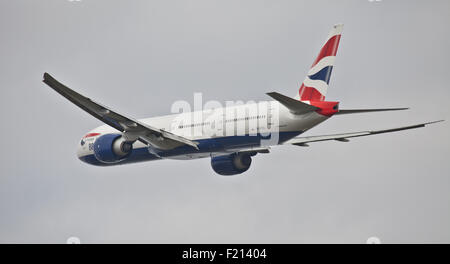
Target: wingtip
x: 272, y: 94
x: 398, y: 109
x: 434, y: 122
x: 46, y: 77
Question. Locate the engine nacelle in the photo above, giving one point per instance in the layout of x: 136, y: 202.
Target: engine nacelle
x: 112, y: 148
x: 231, y: 164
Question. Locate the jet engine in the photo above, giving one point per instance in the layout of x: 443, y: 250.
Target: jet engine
x: 112, y: 148
x: 232, y: 164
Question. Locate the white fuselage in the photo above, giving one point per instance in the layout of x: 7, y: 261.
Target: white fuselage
x: 220, y: 130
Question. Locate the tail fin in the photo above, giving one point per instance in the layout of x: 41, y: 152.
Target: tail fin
x: 315, y: 85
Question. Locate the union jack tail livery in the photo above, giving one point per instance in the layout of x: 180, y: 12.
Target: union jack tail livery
x: 315, y: 85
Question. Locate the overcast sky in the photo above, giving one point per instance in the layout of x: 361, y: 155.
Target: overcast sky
x: 140, y: 56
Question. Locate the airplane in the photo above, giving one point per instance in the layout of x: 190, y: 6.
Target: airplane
x: 230, y: 136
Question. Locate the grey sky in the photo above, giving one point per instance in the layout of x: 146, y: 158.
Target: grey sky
x: 140, y: 56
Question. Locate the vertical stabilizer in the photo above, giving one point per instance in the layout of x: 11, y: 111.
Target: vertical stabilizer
x: 315, y: 85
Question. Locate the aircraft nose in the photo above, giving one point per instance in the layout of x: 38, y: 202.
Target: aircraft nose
x: 80, y: 151
x: 83, y: 152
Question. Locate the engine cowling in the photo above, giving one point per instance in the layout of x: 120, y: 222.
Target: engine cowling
x: 112, y: 148
x: 233, y: 164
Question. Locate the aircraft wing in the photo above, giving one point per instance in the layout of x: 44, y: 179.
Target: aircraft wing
x: 129, y: 127
x: 302, y: 141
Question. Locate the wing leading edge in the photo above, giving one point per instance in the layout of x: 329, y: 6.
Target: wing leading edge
x: 302, y: 141
x: 130, y: 128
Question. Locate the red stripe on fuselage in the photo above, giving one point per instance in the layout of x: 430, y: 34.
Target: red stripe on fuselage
x: 329, y: 49
x: 91, y: 135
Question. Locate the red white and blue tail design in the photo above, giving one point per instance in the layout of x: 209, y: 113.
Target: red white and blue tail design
x: 315, y: 85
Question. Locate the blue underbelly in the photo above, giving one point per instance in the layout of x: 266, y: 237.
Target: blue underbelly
x: 205, y: 146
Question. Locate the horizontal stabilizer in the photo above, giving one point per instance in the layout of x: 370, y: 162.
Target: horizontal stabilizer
x: 358, y: 111
x: 295, y: 106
